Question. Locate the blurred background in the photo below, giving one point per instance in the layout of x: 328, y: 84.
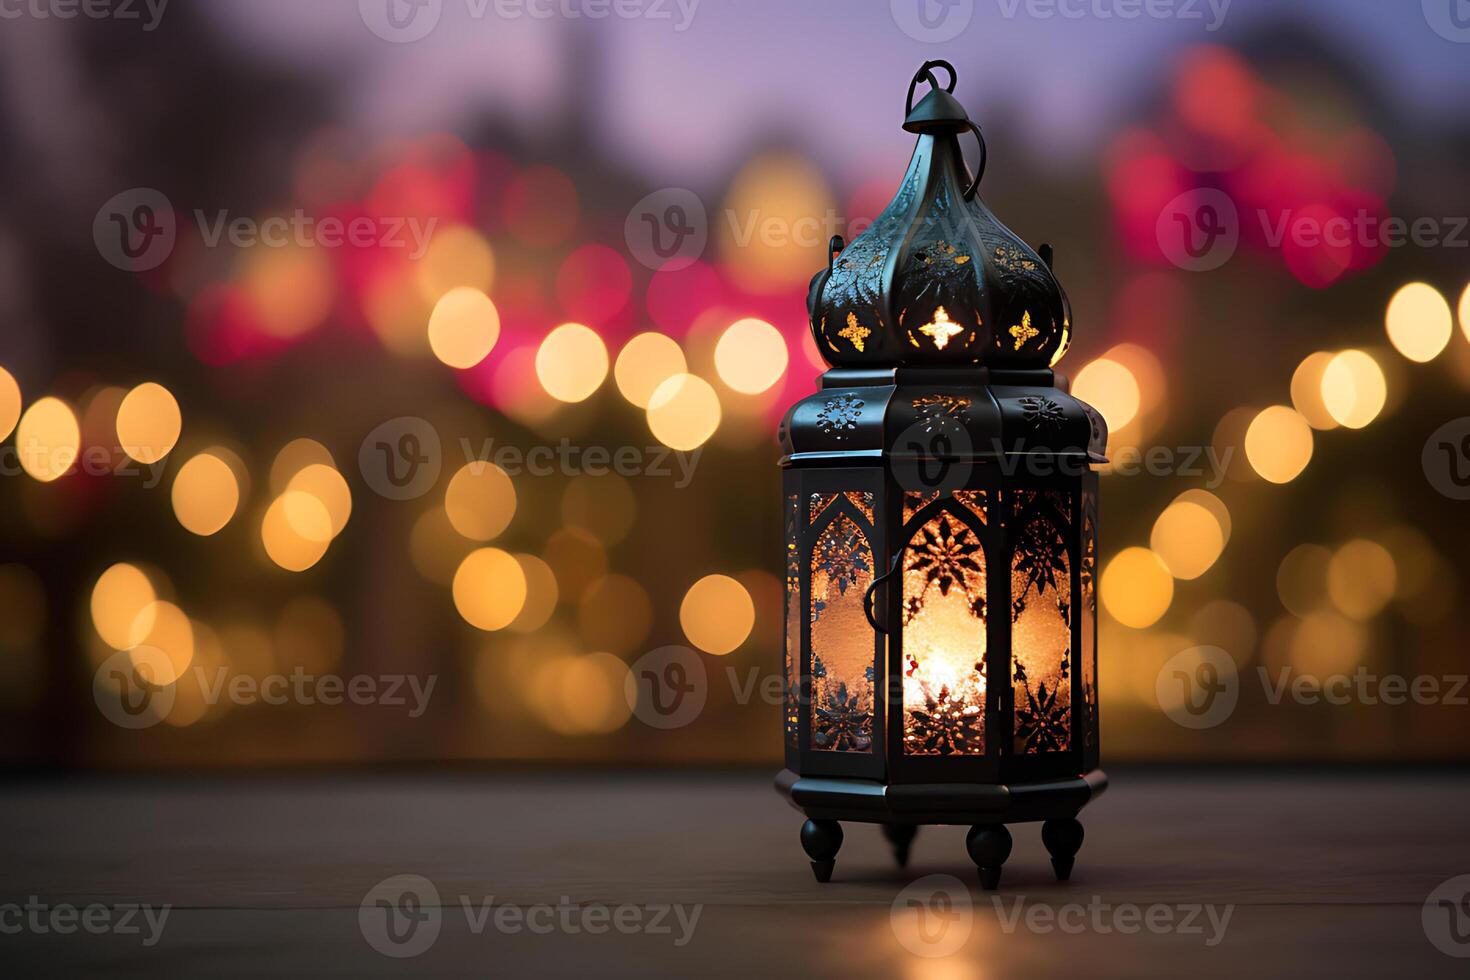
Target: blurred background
x: 274, y: 276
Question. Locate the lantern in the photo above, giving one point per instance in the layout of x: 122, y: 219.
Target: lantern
x: 940, y: 512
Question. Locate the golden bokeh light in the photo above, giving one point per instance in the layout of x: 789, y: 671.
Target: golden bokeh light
x: 294, y: 457
x: 290, y: 288
x: 777, y: 233
x: 581, y: 695
x: 1353, y: 388
x: 646, y: 362
x: 168, y: 630
x: 10, y: 403
x: 1419, y: 322
x: 307, y: 516
x: 717, y: 614
x: 464, y: 327
x: 1278, y: 444
x: 1325, y: 644
x: 47, y: 439
x: 541, y: 595
x: 480, y: 500
x: 571, y: 362
x: 330, y: 488
x: 1361, y: 578
x: 1306, y: 390
x: 1136, y: 587
x: 751, y: 356
x: 1464, y: 312
x: 457, y: 257
x: 1301, y: 578
x: 684, y: 412
x: 489, y: 589
x: 148, y: 423
x: 205, y: 494
x: 122, y: 594
x: 296, y: 530
x: 1111, y: 388
x: 1188, y: 538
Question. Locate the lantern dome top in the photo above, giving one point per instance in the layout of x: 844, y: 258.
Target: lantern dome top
x: 937, y: 279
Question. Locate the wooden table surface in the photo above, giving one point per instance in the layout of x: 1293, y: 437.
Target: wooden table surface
x: 1231, y: 874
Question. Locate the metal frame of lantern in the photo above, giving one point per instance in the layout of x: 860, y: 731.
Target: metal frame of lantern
x: 940, y: 512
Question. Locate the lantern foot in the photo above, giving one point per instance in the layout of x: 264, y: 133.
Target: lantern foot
x: 989, y: 846
x: 821, y: 840
x: 901, y: 837
x: 1063, y: 839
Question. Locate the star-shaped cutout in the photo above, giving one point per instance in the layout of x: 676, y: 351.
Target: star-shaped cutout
x: 1024, y: 331
x: 941, y: 329
x: 854, y: 332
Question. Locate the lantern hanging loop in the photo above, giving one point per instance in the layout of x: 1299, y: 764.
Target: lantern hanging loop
x: 942, y: 113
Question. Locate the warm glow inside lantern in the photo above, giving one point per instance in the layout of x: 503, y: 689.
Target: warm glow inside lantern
x: 941, y: 530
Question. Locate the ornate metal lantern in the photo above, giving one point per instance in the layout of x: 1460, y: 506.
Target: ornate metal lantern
x: 941, y: 530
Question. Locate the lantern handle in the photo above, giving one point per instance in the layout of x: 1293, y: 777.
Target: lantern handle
x: 980, y: 167
x: 834, y: 249
x: 926, y: 71
x: 869, y: 608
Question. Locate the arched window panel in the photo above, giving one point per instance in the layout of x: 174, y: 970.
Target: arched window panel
x: 790, y: 698
x: 1088, y: 577
x: 861, y: 499
x: 842, y: 643
x: 1041, y: 621
x: 944, y: 639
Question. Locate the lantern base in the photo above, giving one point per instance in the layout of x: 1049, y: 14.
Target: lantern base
x: 902, y: 808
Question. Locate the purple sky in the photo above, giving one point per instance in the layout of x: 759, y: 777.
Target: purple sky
x: 675, y: 104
